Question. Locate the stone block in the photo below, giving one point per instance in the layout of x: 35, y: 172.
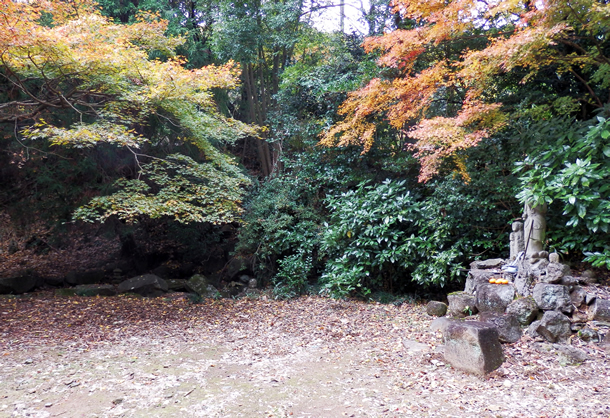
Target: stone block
x: 553, y: 297
x: 473, y: 347
x: 494, y: 297
x: 601, y: 310
x: 509, y: 329
x: 145, y: 285
x: 524, y: 309
x: 554, y: 326
x: 493, y: 263
x: 461, y: 304
x: 436, y: 308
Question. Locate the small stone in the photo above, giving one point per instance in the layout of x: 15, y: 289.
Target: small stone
x: 461, y: 304
x: 554, y: 273
x: 588, y: 277
x: 571, y: 356
x: 532, y: 330
x: 28, y: 361
x: 601, y: 310
x: 117, y: 401
x: 252, y: 284
x: 554, y: 326
x: 590, y: 298
x: 436, y: 308
x: 577, y: 296
x: 554, y: 258
x: 577, y: 326
x: 524, y: 309
x: 589, y: 334
x: 48, y: 405
x: 493, y: 297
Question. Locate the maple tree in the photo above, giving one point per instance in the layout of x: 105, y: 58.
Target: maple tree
x: 73, y: 77
x: 444, y: 93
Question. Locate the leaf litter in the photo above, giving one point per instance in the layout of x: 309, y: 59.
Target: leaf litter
x: 310, y: 357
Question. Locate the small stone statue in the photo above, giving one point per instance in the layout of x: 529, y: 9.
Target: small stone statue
x: 534, y: 228
x: 517, y: 244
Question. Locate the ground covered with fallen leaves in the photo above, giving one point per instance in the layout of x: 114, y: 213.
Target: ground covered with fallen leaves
x: 310, y: 357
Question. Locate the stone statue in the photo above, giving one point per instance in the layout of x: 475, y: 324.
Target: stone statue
x: 517, y: 244
x: 534, y: 229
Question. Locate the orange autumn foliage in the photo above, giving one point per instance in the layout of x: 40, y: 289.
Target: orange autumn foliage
x: 516, y: 34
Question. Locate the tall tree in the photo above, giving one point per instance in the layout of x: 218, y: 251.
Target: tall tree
x: 442, y: 86
x: 74, y: 78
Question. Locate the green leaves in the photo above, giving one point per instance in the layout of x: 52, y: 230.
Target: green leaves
x: 574, y: 172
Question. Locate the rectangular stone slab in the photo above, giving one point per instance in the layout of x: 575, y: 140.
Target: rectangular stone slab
x: 473, y: 347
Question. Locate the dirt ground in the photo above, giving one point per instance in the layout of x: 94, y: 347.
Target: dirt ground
x: 311, y: 357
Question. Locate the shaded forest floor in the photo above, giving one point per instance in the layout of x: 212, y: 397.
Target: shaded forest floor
x: 310, y: 357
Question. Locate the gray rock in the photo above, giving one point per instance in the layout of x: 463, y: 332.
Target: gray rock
x: 569, y: 281
x: 532, y: 330
x: 441, y: 324
x: 524, y: 309
x: 477, y: 278
x: 199, y: 284
x: 555, y: 272
x: 461, y: 304
x: 252, y: 284
x: 436, y: 308
x: 145, y: 285
x: 95, y: 290
x: 487, y: 264
x: 553, y: 297
x: 17, y: 284
x: 85, y: 277
x: 570, y: 356
x: 494, y: 297
x: 588, y: 277
x: 601, y: 310
x: 524, y: 284
x: 554, y: 326
x: 590, y: 298
x: 589, y: 334
x: 578, y: 296
x: 509, y: 330
x: 554, y: 258
x: 473, y: 347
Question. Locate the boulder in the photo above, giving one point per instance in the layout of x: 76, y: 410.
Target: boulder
x: 436, y: 308
x: 524, y: 309
x: 493, y: 263
x: 477, y: 278
x: 17, y: 284
x: 494, y: 297
x: 461, y: 304
x: 601, y: 310
x: 95, y: 290
x: 473, y: 347
x: 555, y: 272
x: 509, y: 330
x: 554, y: 326
x: 553, y: 297
x: 145, y: 285
x: 199, y: 284
x: 85, y: 277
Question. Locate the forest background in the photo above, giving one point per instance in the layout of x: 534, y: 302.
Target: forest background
x: 214, y: 134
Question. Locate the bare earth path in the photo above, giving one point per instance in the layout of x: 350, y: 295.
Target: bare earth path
x: 312, y: 357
